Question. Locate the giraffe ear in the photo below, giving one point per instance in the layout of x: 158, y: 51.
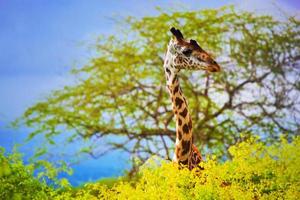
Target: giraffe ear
x: 195, y: 44
x: 176, y: 33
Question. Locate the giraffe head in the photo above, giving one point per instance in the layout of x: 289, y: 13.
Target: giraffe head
x: 186, y: 54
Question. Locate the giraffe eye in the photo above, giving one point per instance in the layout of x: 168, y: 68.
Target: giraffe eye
x: 187, y: 52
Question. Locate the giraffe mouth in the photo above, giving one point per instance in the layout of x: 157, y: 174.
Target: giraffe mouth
x: 209, y: 65
x: 214, y: 68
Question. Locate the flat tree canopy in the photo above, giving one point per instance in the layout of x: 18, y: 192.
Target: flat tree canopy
x: 120, y: 99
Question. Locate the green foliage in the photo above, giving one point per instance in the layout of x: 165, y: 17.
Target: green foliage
x: 110, y: 182
x: 17, y: 180
x: 120, y: 93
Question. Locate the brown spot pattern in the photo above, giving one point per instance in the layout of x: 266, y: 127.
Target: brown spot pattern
x: 185, y: 129
x: 174, y: 80
x: 178, y: 102
x: 168, y: 71
x: 190, y: 124
x: 179, y: 134
x: 183, y: 113
x: 186, y: 145
x: 176, y: 89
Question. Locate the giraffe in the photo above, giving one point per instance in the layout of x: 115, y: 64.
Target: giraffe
x: 184, y: 54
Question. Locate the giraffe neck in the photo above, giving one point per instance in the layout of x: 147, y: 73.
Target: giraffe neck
x: 183, y: 145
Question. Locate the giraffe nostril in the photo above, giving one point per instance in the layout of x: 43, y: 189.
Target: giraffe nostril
x: 213, y: 62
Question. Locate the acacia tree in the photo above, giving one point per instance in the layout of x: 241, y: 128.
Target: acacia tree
x: 121, y: 92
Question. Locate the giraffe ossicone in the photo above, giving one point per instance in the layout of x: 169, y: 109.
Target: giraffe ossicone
x: 183, y: 54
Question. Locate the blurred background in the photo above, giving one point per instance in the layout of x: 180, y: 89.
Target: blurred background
x: 41, y: 42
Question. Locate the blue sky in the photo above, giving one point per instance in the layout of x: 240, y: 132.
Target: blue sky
x: 40, y: 41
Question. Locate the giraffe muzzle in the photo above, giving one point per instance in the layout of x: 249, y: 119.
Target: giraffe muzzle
x: 214, y: 67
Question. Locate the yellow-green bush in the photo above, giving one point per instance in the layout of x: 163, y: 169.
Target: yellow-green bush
x: 256, y: 171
